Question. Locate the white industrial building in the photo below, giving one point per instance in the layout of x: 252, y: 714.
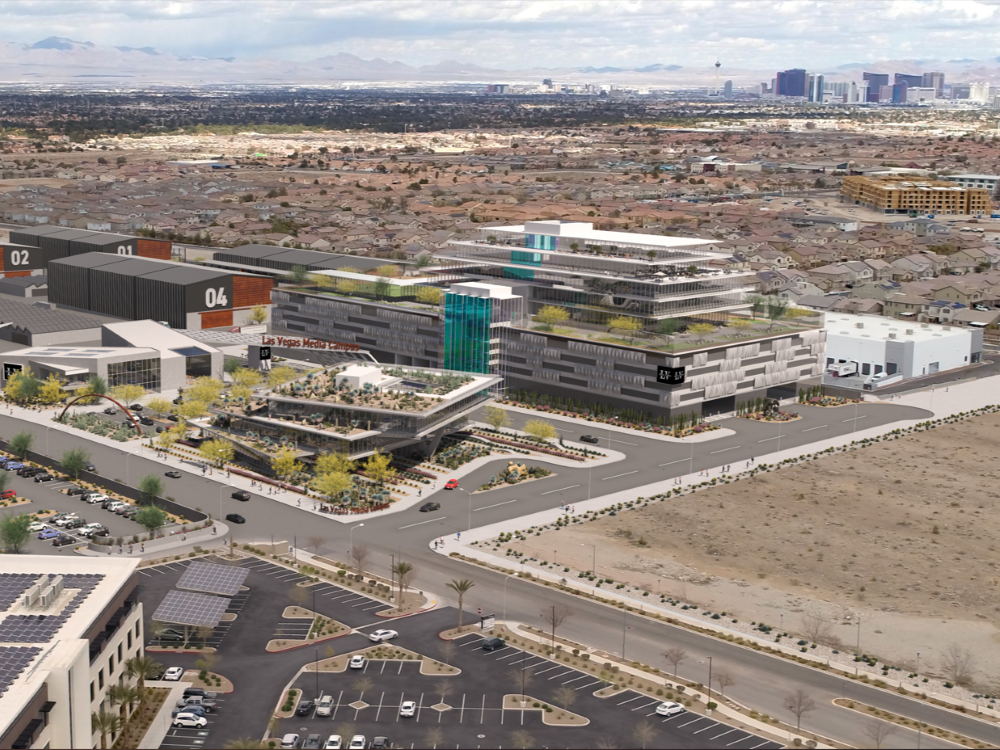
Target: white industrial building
x: 886, y: 345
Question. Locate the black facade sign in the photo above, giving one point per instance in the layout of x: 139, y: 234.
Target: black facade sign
x: 9, y: 369
x: 669, y: 375
x: 265, y: 353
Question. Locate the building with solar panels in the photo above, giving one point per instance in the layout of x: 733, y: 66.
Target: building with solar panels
x: 181, y: 295
x: 32, y: 248
x: 68, y: 626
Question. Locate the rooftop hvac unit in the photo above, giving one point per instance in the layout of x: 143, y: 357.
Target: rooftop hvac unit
x: 947, y: 328
x: 859, y: 325
x: 30, y: 597
x: 909, y: 331
x: 892, y: 335
x: 48, y: 596
x: 57, y: 584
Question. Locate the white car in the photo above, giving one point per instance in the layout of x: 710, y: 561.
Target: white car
x: 325, y: 706
x: 357, y: 662
x: 37, y: 526
x: 290, y: 740
x: 333, y: 743
x: 112, y: 507
x: 408, y: 708
x: 668, y: 708
x: 65, y: 519
x: 92, y: 499
x: 89, y: 529
x: 358, y: 742
x: 173, y: 674
x: 383, y: 635
x: 190, y: 720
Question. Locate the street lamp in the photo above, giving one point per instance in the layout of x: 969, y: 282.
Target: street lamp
x: 709, y: 680
x: 47, y: 440
x: 919, y: 705
x: 351, y: 550
x: 505, y: 598
x: 594, y: 563
x: 128, y: 476
x: 467, y: 492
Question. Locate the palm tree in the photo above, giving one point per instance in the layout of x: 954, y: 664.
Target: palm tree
x: 105, y: 723
x: 402, y: 570
x: 124, y: 696
x: 142, y: 668
x: 460, y: 587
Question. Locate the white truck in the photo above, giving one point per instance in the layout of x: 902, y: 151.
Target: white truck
x: 842, y: 369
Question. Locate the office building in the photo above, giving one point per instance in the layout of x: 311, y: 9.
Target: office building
x: 985, y: 181
x: 883, y: 345
x: 875, y: 83
x: 909, y: 80
x: 898, y: 93
x: 910, y: 194
x: 934, y: 81
x: 180, y: 295
x: 815, y: 87
x: 68, y: 627
x: 980, y: 92
x: 792, y: 83
x: 920, y: 95
x: 727, y: 90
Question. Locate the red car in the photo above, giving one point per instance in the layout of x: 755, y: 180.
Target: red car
x: 451, y: 484
x: 7, y: 494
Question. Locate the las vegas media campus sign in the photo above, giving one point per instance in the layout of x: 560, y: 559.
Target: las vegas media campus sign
x: 305, y: 343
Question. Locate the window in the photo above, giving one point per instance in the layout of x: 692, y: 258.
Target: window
x: 100, y: 679
x: 866, y: 369
x: 119, y: 653
x: 144, y: 372
x: 129, y: 643
x: 111, y: 665
x: 91, y: 692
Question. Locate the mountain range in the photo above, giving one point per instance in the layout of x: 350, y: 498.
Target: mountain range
x: 62, y: 60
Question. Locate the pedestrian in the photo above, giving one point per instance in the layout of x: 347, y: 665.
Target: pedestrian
x: 143, y: 546
x: 130, y: 549
x: 420, y: 493
x: 119, y: 549
x: 109, y: 549
x: 300, y: 502
x: 458, y: 535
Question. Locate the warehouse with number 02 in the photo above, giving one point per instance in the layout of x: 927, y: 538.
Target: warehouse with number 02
x: 180, y: 295
x: 32, y: 248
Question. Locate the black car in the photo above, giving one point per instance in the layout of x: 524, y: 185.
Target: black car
x: 305, y: 708
x: 236, y: 518
x: 173, y: 474
x: 241, y: 495
x: 43, y: 477
x: 188, y: 692
x: 313, y: 742
x: 380, y: 743
x: 589, y: 439
x: 428, y: 507
x: 173, y: 417
x: 177, y: 400
x: 146, y: 421
x: 89, y: 466
x: 161, y: 428
x: 62, y: 540
x: 76, y: 523
x: 131, y: 512
x: 29, y: 471
x: 136, y: 407
x: 76, y: 491
x: 492, y: 644
x: 111, y: 410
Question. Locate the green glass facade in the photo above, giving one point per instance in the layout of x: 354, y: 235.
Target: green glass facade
x: 467, y: 333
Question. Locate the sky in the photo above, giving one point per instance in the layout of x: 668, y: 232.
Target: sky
x: 517, y: 34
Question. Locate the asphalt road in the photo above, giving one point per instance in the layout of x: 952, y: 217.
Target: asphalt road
x: 761, y: 682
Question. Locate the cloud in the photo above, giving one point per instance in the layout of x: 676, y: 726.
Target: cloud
x: 513, y: 34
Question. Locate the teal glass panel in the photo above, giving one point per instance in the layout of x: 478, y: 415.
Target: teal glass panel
x: 524, y: 258
x: 467, y: 333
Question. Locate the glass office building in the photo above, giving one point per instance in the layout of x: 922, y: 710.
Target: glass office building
x: 475, y: 319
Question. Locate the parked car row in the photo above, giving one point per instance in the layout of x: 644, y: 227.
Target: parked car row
x: 333, y: 742
x: 191, y: 709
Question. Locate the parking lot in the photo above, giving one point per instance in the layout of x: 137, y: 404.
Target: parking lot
x: 189, y: 736
x: 367, y: 702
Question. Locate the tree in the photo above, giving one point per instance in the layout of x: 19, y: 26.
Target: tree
x: 381, y: 288
x: 429, y: 295
x: 315, y: 542
x: 127, y: 393
x: 328, y: 463
x: 724, y: 679
x: 496, y: 417
x: 539, y: 428
x: 5, y: 477
x: 551, y: 315
x: 14, y: 532
x: 555, y: 615
x: 521, y: 678
x: 151, y: 518
x: 21, y: 444
x: 218, y: 452
x: 298, y: 595
x: 298, y: 275
x: 285, y: 463
x: 756, y: 302
x: 333, y: 485
x: 701, y: 330
x: 123, y: 696
x: 816, y: 628
x: 150, y: 488
x: 246, y: 377
x: 777, y: 308
x: 629, y: 326
x: 377, y: 467
x: 564, y: 696
x: 878, y: 730
x: 23, y: 386
x: 74, y: 461
x: 434, y: 737
x: 740, y: 324
x: 387, y: 271
x: 799, y: 703
x: 958, y: 665
x: 668, y: 327
x: 105, y: 724
x: 460, y: 587
x: 243, y: 743
x: 231, y: 365
x: 644, y: 733
x: 280, y: 375
x: 192, y: 409
x: 348, y: 287
x: 160, y: 406
x: 403, y: 572
x: 141, y: 668
x: 166, y: 439
x: 522, y: 740
x: 360, y: 554
x: 97, y: 385
x: 363, y: 684
x: 206, y: 389
x: 51, y: 391
x: 675, y: 655
x: 319, y: 280
x: 444, y: 689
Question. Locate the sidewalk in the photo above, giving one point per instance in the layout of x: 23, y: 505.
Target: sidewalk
x: 158, y: 547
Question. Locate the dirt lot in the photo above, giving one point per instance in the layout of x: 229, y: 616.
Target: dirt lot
x: 902, y: 534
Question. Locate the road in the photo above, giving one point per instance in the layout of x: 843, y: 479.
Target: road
x: 761, y: 682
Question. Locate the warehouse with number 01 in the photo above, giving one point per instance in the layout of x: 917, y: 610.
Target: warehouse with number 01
x: 180, y: 295
x: 31, y: 248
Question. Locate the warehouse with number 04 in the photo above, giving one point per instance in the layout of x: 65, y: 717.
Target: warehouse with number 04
x: 180, y: 295
x: 32, y: 248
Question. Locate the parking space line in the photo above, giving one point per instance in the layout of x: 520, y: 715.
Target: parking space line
x: 590, y: 684
x: 547, y: 670
x: 143, y: 574
x: 707, y: 728
x: 562, y: 674
x: 336, y: 706
x: 379, y: 711
x: 377, y: 606
x: 767, y: 742
x: 728, y: 731
x: 461, y: 711
x: 647, y: 705
x: 482, y: 712
x: 630, y: 700
x: 739, y: 739
x: 508, y: 656
x: 695, y: 719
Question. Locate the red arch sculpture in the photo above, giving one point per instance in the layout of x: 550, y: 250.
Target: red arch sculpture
x: 138, y: 430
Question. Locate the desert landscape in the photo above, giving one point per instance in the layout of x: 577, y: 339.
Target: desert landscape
x: 901, y: 534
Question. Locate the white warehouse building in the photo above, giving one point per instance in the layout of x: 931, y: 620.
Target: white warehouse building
x: 877, y: 344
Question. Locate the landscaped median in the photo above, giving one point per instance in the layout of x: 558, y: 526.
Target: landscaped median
x: 323, y: 629
x: 383, y: 652
x: 881, y: 724
x: 551, y: 715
